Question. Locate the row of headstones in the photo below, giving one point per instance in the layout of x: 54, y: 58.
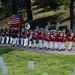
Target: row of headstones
x: 3, y: 67
x: 49, y: 24
x: 31, y: 67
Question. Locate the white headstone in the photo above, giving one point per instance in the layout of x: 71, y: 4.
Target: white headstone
x: 30, y: 65
x: 68, y: 27
x: 1, y: 59
x: 58, y: 23
x: 44, y: 73
x: 57, y: 26
x: 1, y: 62
x: 64, y: 30
x: 74, y: 27
x: 1, y: 65
x: 37, y: 28
x: 47, y: 27
x: 74, y: 71
x: 4, y: 70
x: 48, y: 24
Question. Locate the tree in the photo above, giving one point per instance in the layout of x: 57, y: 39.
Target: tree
x: 14, y: 6
x: 29, y: 10
x: 71, y: 14
x: 71, y: 7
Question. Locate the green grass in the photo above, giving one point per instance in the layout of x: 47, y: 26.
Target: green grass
x: 53, y: 64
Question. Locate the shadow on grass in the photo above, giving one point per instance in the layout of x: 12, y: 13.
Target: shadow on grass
x: 46, y: 9
x: 4, y: 50
x: 42, y: 22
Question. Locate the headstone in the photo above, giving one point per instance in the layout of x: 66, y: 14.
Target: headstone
x: 0, y: 3
x: 1, y: 65
x: 48, y: 24
x: 47, y: 27
x: 30, y: 65
x: 1, y: 59
x: 57, y: 26
x: 68, y: 27
x: 1, y: 62
x: 74, y: 71
x: 64, y: 30
x: 37, y: 28
x: 4, y: 70
x: 44, y: 73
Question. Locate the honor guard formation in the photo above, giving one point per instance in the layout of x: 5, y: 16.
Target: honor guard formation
x: 49, y: 40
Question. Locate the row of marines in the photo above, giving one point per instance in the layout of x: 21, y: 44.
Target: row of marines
x: 27, y: 38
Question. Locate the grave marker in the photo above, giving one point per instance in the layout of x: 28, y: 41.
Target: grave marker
x: 30, y: 65
x: 4, y: 70
x: 57, y: 26
x: 44, y: 73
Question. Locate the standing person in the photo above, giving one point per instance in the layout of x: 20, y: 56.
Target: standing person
x: 46, y: 38
x: 74, y: 40
x: 53, y: 40
x: 50, y: 39
x: 10, y: 35
x: 34, y: 38
x: 3, y: 36
x: 13, y: 37
x: 21, y: 37
x: 25, y: 38
x: 56, y: 40
x: 30, y: 38
x: 70, y: 39
x: 60, y: 40
x: 64, y: 40
x: 17, y: 36
x: 7, y: 35
x: 40, y: 38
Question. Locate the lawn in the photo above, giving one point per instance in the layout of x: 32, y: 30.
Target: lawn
x: 53, y: 64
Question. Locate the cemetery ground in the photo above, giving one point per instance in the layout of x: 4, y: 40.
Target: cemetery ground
x: 54, y: 64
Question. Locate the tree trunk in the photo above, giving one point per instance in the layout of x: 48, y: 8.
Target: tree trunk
x: 29, y: 10
x: 14, y: 6
x: 71, y: 14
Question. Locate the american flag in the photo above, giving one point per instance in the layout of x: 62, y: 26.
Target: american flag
x: 15, y: 20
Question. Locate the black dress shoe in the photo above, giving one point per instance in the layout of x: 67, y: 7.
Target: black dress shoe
x: 69, y: 49
x: 21, y: 46
x: 44, y: 47
x: 40, y: 48
x: 59, y: 50
x: 17, y: 46
x: 29, y: 47
x: 63, y: 49
x: 34, y: 48
x: 52, y: 50
x: 47, y: 48
x: 24, y: 46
